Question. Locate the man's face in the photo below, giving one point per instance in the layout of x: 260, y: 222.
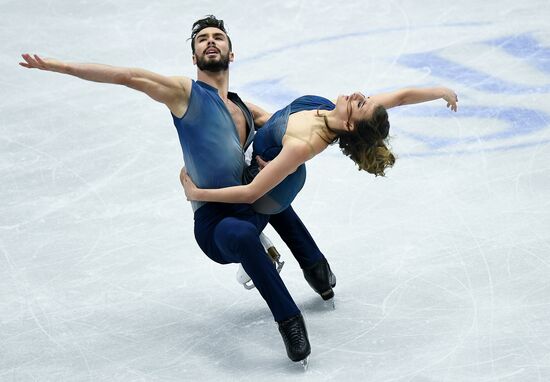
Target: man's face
x: 212, y: 50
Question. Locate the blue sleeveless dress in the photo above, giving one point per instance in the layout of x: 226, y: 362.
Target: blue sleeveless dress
x: 268, y: 143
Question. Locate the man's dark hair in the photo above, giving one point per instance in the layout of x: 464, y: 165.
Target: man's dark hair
x: 210, y: 21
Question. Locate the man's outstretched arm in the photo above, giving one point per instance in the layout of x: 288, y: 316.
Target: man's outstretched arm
x: 171, y: 91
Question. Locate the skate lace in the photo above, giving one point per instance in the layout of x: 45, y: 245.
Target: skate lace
x: 296, y: 335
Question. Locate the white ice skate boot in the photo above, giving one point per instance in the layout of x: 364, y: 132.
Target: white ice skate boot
x: 242, y: 276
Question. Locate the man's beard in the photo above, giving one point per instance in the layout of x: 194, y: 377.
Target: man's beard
x: 213, y: 66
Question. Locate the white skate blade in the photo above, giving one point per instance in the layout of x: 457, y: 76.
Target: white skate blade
x: 280, y: 266
x: 244, y: 279
x: 330, y: 303
x: 249, y: 285
x: 305, y: 363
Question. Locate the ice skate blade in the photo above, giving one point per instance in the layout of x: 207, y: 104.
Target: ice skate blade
x: 305, y: 363
x: 330, y: 303
x: 280, y: 266
x: 249, y: 285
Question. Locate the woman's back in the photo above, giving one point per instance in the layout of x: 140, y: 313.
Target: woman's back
x: 305, y: 126
x: 292, y: 122
x: 297, y: 120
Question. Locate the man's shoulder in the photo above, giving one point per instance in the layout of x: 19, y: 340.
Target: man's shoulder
x: 183, y: 82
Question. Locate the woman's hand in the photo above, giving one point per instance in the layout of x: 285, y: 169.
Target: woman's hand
x: 451, y: 98
x: 36, y: 62
x: 188, y: 186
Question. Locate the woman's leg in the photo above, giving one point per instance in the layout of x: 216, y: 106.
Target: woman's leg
x: 296, y: 236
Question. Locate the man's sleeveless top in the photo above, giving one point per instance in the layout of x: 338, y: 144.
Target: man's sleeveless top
x: 208, y: 136
x: 268, y: 143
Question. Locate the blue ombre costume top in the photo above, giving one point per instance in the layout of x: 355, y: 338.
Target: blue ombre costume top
x: 208, y: 136
x: 268, y: 143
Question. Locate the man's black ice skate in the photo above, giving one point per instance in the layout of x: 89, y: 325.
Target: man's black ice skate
x: 294, y: 335
x: 321, y: 279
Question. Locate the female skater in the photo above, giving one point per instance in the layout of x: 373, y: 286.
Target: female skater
x: 305, y: 128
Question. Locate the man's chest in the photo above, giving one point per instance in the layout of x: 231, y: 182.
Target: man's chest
x: 239, y: 119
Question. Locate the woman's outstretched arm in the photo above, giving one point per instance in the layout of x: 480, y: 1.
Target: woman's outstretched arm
x: 291, y: 156
x: 408, y: 96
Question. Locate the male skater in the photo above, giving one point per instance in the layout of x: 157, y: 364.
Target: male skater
x: 214, y: 128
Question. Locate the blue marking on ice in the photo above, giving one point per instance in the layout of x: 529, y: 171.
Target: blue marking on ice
x: 272, y: 91
x: 526, y: 47
x: 520, y: 121
x: 458, y: 73
x: 514, y: 146
x: 343, y: 36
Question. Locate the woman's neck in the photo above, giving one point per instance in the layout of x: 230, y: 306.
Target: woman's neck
x: 331, y: 122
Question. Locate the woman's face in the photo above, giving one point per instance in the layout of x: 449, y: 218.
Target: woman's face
x: 353, y: 108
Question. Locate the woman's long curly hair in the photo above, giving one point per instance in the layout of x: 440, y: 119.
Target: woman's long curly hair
x: 366, y: 144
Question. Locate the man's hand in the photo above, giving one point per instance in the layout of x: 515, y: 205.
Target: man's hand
x: 261, y: 163
x: 36, y: 62
x: 188, y: 186
x: 451, y: 98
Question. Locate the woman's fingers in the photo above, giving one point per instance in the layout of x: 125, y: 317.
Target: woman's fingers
x: 31, y: 62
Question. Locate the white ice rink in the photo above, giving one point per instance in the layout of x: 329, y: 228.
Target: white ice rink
x: 443, y: 266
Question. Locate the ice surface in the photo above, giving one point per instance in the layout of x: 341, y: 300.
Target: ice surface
x: 442, y: 266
